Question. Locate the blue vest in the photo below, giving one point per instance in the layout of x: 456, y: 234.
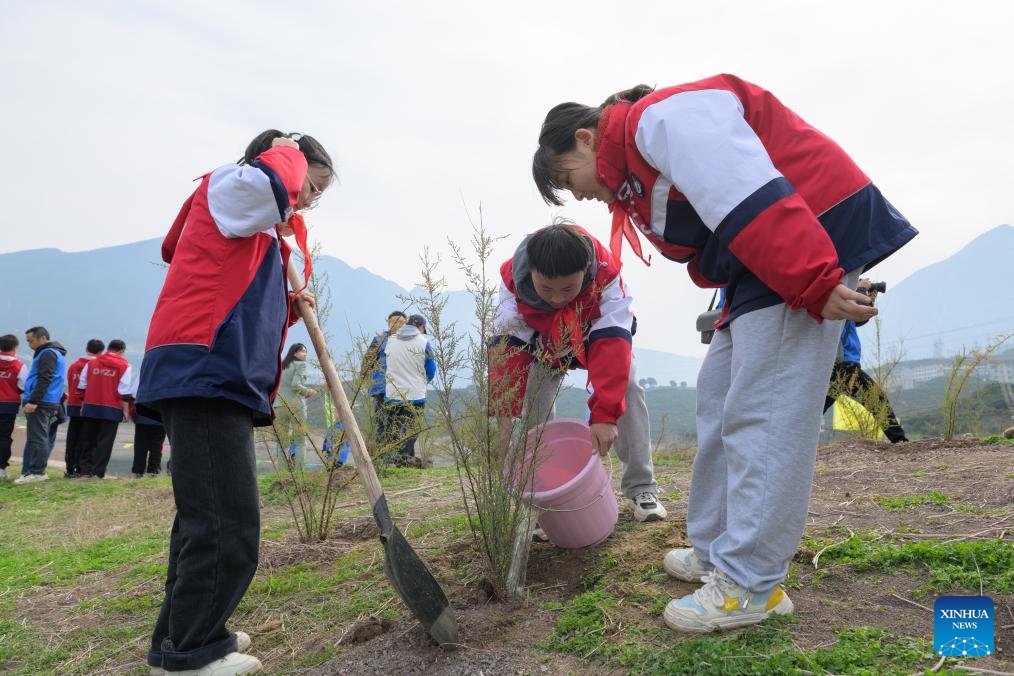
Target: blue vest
x: 54, y: 393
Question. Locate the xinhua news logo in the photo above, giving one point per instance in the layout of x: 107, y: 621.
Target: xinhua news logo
x: 963, y: 626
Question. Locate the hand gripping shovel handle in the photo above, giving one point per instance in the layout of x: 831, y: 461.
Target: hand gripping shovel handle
x: 408, y: 574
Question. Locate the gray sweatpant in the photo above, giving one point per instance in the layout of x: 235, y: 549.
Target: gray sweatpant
x: 760, y: 393
x: 633, y: 443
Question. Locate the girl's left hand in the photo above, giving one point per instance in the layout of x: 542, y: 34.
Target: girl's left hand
x: 844, y: 303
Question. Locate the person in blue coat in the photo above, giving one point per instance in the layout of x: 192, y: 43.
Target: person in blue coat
x: 374, y: 371
x: 43, y: 399
x: 849, y: 379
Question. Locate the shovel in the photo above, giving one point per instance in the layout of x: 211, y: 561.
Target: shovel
x: 408, y: 574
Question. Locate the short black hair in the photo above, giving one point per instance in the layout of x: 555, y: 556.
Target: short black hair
x: 559, y: 250
x: 117, y: 345
x: 95, y: 346
x: 38, y: 332
x: 8, y: 342
x: 397, y: 313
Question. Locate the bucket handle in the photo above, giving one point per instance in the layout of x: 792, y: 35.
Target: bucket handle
x: 597, y: 497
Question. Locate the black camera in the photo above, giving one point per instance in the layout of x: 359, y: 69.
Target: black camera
x: 879, y: 287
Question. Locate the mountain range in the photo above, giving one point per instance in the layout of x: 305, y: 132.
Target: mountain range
x: 955, y: 304
x: 960, y: 303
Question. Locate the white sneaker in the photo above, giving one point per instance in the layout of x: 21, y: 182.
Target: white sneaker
x: 684, y: 564
x: 232, y: 664
x: 648, y: 508
x: 31, y: 478
x: 723, y: 604
x: 242, y: 644
x: 3, y: 475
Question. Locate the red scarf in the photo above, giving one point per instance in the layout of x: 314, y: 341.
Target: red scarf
x: 564, y: 322
x: 611, y: 122
x: 298, y: 226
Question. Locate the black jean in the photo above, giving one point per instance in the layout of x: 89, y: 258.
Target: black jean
x: 72, y: 448
x: 6, y: 437
x: 148, y: 440
x: 402, y: 426
x: 215, y: 536
x: 97, y: 439
x: 379, y: 418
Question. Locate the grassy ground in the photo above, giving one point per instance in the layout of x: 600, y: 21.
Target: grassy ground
x: 82, y: 566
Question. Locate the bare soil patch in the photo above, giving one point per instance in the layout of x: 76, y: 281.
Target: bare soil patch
x: 499, y: 639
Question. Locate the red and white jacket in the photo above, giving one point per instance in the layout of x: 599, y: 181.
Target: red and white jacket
x: 104, y: 385
x: 593, y: 331
x: 13, y: 373
x: 75, y: 397
x: 720, y: 175
x: 221, y: 318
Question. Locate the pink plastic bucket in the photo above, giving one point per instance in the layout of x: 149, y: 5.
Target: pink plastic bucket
x: 570, y: 487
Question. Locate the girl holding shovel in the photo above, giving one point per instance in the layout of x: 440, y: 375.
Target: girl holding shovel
x: 210, y: 370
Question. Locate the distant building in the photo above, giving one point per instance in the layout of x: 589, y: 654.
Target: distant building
x: 908, y: 374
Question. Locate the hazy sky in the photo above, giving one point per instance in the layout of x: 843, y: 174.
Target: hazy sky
x: 432, y: 109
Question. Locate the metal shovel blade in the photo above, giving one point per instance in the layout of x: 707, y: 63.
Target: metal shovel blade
x: 413, y: 581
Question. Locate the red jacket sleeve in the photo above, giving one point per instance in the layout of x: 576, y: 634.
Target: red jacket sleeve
x: 609, y: 372
x: 788, y: 250
x: 290, y: 165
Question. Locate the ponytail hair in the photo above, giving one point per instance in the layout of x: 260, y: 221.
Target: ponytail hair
x: 557, y: 137
x: 635, y: 93
x: 309, y: 146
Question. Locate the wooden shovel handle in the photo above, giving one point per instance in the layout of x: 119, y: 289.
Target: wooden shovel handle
x: 364, y: 465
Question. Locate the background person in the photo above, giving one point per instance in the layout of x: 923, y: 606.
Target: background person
x: 849, y: 379
x: 75, y: 423
x: 43, y: 398
x: 105, y: 387
x: 374, y: 371
x: 149, y: 439
x: 290, y: 407
x: 410, y: 367
x: 12, y: 384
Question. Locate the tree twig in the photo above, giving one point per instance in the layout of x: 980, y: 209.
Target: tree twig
x: 917, y: 605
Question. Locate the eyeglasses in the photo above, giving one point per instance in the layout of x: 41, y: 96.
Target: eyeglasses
x: 315, y: 193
